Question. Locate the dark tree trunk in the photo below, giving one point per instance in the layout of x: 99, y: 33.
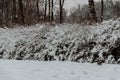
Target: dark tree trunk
x: 2, y: 12
x: 14, y: 17
x: 52, y: 14
x: 93, y: 17
x: 38, y: 12
x: 49, y: 14
x: 102, y: 10
x: 61, y: 10
x: 7, y: 12
x: 22, y: 11
x: 45, y: 13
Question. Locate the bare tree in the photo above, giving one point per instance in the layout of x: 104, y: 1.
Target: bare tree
x: 49, y: 14
x: 52, y: 7
x: 22, y: 11
x: 102, y: 9
x: 45, y: 11
x: 14, y: 15
x: 93, y: 17
x: 7, y: 3
x: 38, y: 12
x: 1, y: 11
x: 61, y: 3
x: 117, y: 9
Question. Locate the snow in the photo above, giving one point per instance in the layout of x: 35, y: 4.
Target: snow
x: 35, y: 70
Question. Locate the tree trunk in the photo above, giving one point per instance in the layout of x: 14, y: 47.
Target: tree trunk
x: 7, y: 12
x: 45, y: 13
x: 102, y: 10
x: 61, y: 10
x: 38, y: 12
x: 2, y: 12
x: 52, y: 14
x: 93, y: 17
x: 49, y: 14
x: 22, y: 11
x: 14, y: 17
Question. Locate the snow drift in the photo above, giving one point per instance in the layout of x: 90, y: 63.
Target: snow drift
x: 97, y: 43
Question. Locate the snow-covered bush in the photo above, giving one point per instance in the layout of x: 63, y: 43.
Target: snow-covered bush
x: 67, y: 42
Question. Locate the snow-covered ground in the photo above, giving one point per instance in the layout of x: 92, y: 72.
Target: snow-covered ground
x: 35, y: 70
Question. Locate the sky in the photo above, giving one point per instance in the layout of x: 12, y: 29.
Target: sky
x: 71, y: 4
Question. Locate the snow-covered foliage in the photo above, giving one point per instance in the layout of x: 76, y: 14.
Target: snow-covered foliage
x: 67, y: 42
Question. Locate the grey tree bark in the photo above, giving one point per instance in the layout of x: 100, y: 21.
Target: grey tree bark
x: 102, y: 10
x: 93, y: 17
x: 52, y: 7
x: 38, y: 12
x: 22, y: 11
x: 61, y: 3
x: 49, y: 14
x: 14, y: 15
x: 45, y: 12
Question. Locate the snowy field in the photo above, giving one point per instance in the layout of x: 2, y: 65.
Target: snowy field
x: 35, y: 70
